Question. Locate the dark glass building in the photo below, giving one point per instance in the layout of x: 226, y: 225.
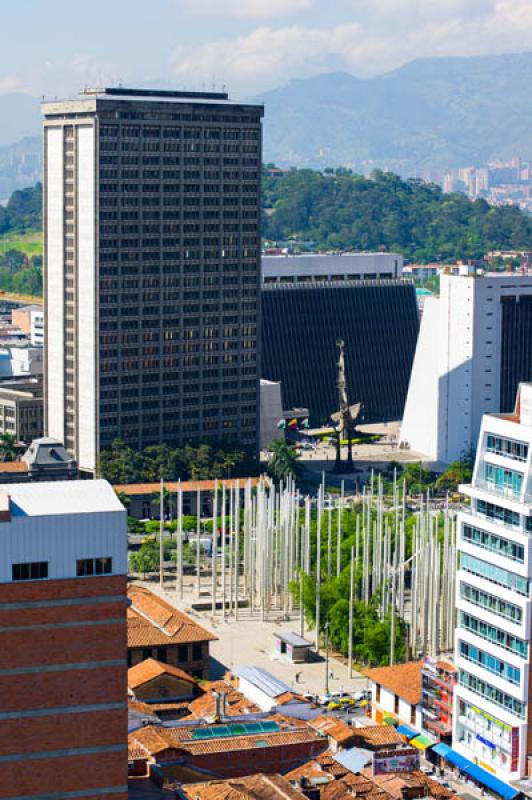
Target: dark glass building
x: 516, y: 347
x: 379, y: 323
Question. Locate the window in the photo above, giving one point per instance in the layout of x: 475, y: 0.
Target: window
x: 146, y: 652
x: 197, y: 653
x: 506, y: 447
x: 396, y: 704
x: 494, y: 574
x: 30, y: 571
x: 497, y: 544
x: 182, y: 654
x: 412, y: 715
x: 94, y: 566
x: 162, y: 654
x: 377, y: 693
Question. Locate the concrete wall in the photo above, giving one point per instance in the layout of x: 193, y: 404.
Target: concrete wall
x: 271, y: 411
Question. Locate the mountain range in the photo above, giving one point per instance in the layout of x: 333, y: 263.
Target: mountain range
x: 420, y: 119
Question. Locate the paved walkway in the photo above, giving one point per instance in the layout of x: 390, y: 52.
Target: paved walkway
x: 249, y: 641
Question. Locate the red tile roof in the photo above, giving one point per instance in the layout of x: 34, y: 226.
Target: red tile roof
x: 150, y: 668
x: 404, y: 680
x: 151, y: 621
x: 186, y: 486
x: 254, y: 787
x: 334, y: 728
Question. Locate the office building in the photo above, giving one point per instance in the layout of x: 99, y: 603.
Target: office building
x: 473, y: 350
x: 331, y: 267
x: 21, y: 409
x: 492, y: 712
x: 152, y: 271
x: 301, y: 324
x: 30, y: 320
x: 63, y: 668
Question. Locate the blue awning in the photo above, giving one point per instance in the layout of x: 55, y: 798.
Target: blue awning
x: 441, y: 749
x: 459, y: 761
x: 491, y: 782
x: 406, y: 730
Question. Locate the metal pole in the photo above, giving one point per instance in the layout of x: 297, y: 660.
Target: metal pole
x: 161, y: 534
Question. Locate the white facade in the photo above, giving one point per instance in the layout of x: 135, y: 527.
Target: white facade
x: 327, y: 267
x: 60, y: 523
x: 395, y: 706
x: 37, y: 327
x: 456, y: 375
x: 19, y: 361
x: 494, y: 636
x: 271, y: 412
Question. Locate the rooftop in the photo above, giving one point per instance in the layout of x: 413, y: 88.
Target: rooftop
x: 263, y: 680
x: 292, y: 639
x: 376, y: 736
x: 151, y: 621
x: 404, y: 680
x: 186, y: 486
x: 236, y: 704
x: 158, y: 739
x: 336, y: 729
x: 150, y: 668
x: 254, y: 787
x: 57, y: 498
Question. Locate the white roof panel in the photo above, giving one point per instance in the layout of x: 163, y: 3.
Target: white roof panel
x: 61, y: 497
x: 263, y: 680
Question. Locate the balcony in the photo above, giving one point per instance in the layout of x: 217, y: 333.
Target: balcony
x: 438, y: 726
x: 507, y: 492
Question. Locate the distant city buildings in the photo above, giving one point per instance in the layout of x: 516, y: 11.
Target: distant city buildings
x: 473, y: 350
x: 63, y: 666
x: 493, y: 639
x: 152, y: 248
x: 30, y: 320
x: 499, y: 182
x: 21, y: 409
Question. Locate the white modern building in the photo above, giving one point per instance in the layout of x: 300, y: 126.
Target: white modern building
x: 271, y: 412
x: 492, y: 702
x: 473, y: 350
x: 315, y: 267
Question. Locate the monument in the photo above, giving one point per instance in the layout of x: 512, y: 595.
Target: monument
x: 345, y: 418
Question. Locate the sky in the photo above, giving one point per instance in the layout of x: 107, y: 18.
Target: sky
x: 56, y: 47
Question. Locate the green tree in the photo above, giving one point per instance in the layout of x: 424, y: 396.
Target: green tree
x: 283, y: 461
x: 146, y: 559
x: 7, y: 447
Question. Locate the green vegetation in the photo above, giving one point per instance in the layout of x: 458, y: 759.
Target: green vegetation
x: 21, y: 242
x: 122, y: 464
x: 342, y: 211
x: 283, y: 462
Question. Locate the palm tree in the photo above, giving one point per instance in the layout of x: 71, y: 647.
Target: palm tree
x: 7, y: 447
x: 283, y: 461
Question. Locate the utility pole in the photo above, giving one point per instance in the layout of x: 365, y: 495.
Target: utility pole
x: 161, y: 533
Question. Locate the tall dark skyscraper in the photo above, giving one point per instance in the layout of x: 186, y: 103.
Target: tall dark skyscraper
x: 152, y: 269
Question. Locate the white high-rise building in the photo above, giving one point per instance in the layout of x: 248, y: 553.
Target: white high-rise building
x: 493, y: 636
x: 473, y: 350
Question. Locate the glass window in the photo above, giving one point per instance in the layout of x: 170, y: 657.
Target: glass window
x: 494, y: 574
x: 497, y: 544
x: 30, y: 571
x: 493, y: 634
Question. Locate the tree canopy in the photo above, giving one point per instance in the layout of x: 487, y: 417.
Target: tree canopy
x: 342, y: 211
x: 23, y: 211
x: 122, y: 464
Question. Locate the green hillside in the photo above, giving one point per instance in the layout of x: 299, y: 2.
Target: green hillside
x: 340, y: 211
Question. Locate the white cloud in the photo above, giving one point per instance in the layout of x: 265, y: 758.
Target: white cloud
x: 245, y: 9
x: 395, y: 32
x: 267, y: 54
x: 10, y: 83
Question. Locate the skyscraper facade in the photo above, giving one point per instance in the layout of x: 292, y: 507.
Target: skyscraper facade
x: 492, y: 712
x: 152, y: 270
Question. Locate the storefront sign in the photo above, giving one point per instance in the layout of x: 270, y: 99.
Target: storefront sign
x: 405, y: 760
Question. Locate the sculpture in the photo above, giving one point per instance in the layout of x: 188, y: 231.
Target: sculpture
x: 345, y: 418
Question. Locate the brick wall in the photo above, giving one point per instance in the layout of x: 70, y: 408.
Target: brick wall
x: 34, y: 642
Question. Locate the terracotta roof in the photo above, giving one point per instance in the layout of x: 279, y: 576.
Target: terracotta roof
x: 150, y: 668
x: 395, y: 782
x: 137, y: 753
x: 254, y: 787
x: 403, y: 680
x: 140, y: 708
x: 186, y: 486
x: 13, y: 466
x: 335, y: 728
x: 447, y: 666
x: 372, y: 736
x: 156, y: 740
x: 289, y: 697
x: 236, y: 703
x: 151, y: 621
